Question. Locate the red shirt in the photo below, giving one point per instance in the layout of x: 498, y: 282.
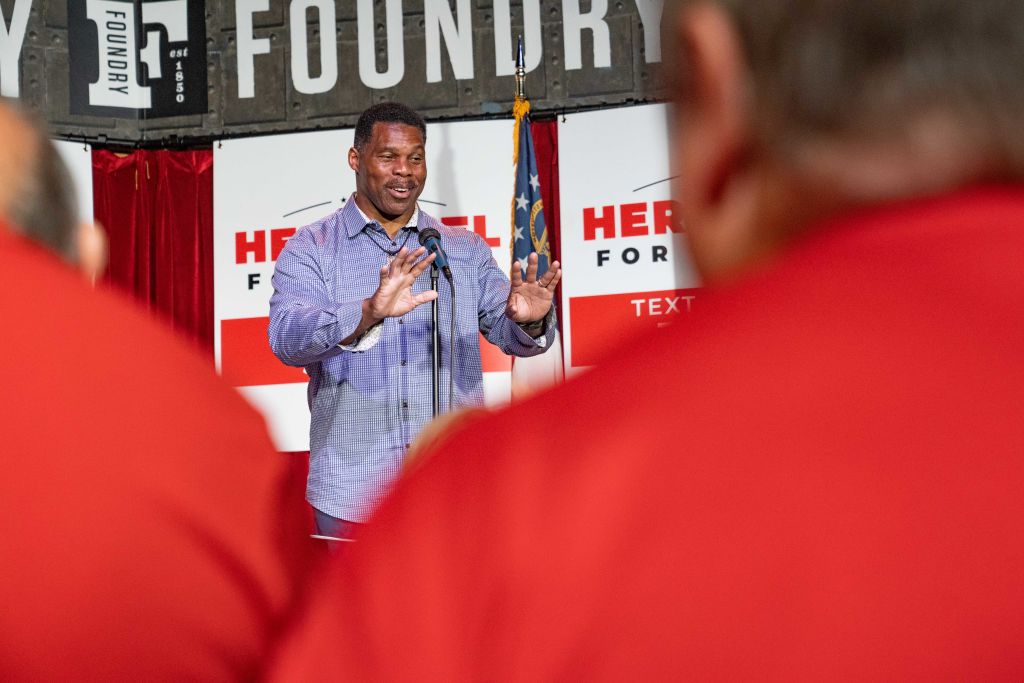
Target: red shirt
x: 818, y: 476
x: 146, y: 527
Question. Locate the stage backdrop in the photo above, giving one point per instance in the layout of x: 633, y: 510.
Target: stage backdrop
x: 265, y: 187
x: 626, y: 264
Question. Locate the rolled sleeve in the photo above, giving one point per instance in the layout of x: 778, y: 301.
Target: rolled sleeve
x: 365, y: 342
x: 550, y: 327
x: 494, y: 324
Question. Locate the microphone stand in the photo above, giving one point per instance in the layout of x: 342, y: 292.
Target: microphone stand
x: 435, y: 343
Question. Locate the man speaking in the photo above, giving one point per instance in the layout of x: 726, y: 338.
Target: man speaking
x: 347, y: 302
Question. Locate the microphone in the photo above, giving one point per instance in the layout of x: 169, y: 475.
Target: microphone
x: 431, y: 239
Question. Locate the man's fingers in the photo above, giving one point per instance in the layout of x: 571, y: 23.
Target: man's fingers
x: 410, y: 259
x: 554, y: 281
x: 531, y: 267
x: 404, y: 259
x: 516, y: 274
x: 422, y: 265
x: 551, y: 278
x: 424, y: 297
x: 399, y: 260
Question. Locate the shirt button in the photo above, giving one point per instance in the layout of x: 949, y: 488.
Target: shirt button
x: 403, y: 363
x: 401, y: 321
x: 405, y: 404
x: 394, y: 243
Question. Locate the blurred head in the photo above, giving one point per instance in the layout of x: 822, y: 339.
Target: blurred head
x: 790, y: 110
x: 36, y: 193
x: 389, y: 159
x: 37, y: 196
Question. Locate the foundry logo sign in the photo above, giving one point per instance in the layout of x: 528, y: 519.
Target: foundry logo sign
x: 137, y: 58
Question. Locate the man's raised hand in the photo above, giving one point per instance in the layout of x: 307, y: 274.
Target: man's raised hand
x: 530, y: 298
x: 394, y: 297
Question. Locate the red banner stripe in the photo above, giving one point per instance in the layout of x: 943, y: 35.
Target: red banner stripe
x: 599, y: 323
x: 246, y: 358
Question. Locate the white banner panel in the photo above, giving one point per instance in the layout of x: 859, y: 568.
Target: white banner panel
x: 77, y: 157
x: 266, y: 187
x: 627, y: 268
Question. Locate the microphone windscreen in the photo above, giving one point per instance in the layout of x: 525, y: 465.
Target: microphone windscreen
x: 428, y: 233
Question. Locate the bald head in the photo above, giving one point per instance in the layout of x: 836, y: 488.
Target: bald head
x: 17, y: 151
x: 36, y: 194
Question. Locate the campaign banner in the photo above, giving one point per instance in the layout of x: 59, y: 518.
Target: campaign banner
x: 627, y: 267
x: 137, y: 58
x: 267, y: 187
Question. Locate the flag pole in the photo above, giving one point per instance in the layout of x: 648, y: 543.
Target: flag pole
x: 520, y: 109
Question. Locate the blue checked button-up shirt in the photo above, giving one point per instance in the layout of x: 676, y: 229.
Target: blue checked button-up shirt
x: 368, y: 402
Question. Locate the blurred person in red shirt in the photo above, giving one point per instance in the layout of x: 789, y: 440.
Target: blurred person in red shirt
x: 819, y: 474
x: 37, y: 196
x: 131, y: 548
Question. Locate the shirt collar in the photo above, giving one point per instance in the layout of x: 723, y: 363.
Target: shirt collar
x: 355, y: 220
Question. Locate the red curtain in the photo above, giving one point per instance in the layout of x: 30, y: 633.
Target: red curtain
x: 545, y: 148
x: 157, y: 208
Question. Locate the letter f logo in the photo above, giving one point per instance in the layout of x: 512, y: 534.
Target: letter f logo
x: 120, y: 53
